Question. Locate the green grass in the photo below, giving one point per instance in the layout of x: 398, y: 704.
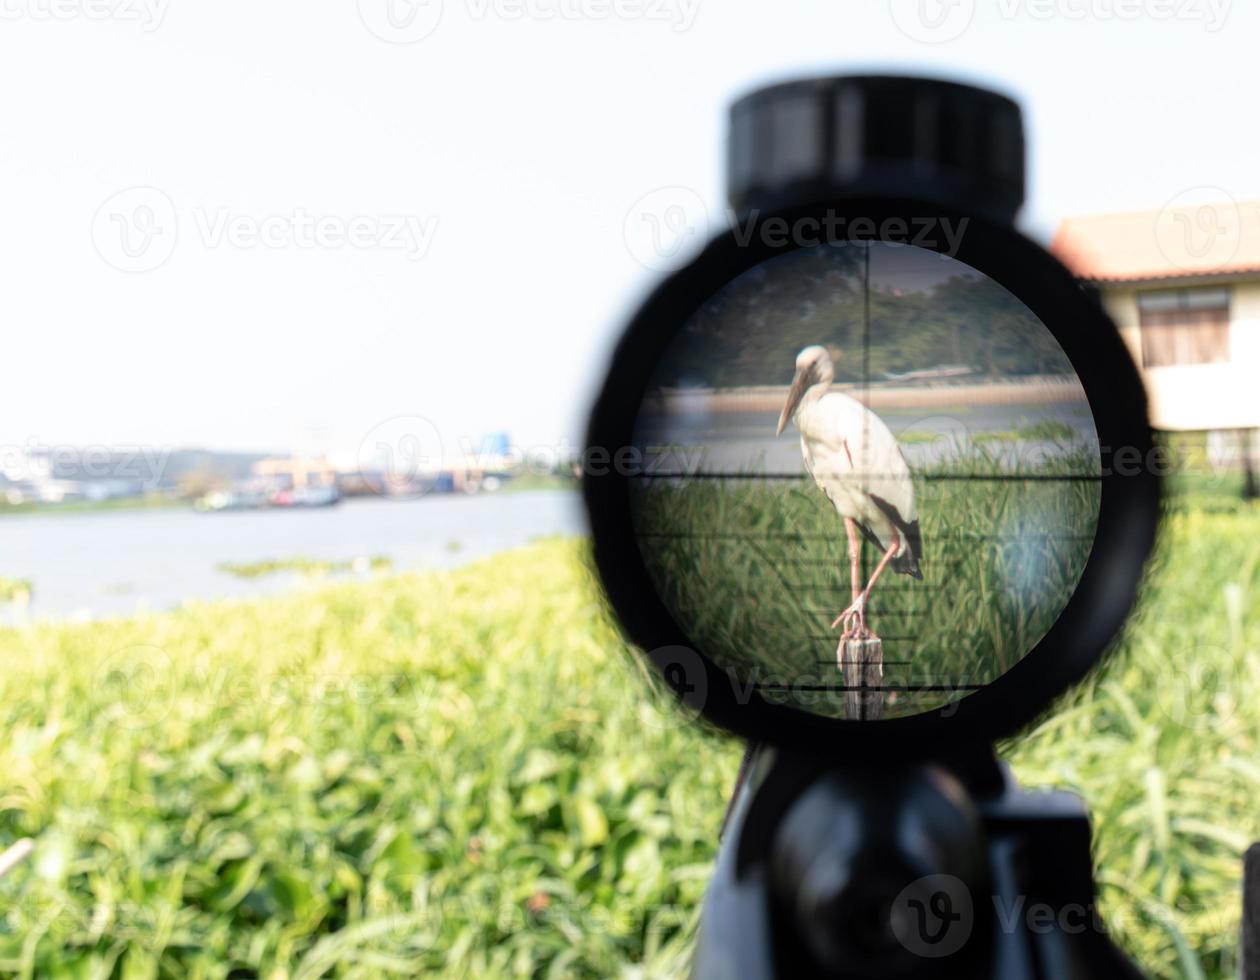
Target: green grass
x: 756, y: 572
x: 916, y: 437
x: 1046, y: 430
x: 457, y: 774
x: 538, y: 481
x: 303, y: 566
x: 1163, y: 743
x: 14, y: 589
x: 465, y: 773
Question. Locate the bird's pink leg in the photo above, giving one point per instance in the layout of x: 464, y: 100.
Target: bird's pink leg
x: 854, y: 618
x: 855, y: 574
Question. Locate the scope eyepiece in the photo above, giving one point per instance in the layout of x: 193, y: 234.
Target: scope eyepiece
x: 875, y: 506
x: 817, y: 138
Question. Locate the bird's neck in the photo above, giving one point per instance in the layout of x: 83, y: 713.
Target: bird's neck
x: 813, y: 395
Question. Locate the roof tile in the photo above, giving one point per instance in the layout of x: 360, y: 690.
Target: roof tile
x: 1211, y: 238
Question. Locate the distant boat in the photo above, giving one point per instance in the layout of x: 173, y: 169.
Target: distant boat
x: 307, y: 497
x: 224, y: 500
x: 220, y: 500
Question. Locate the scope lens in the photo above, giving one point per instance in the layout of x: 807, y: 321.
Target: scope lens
x: 865, y: 440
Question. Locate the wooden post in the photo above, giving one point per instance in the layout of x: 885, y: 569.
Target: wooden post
x: 862, y: 663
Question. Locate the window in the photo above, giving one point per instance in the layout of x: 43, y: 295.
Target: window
x: 1184, y: 326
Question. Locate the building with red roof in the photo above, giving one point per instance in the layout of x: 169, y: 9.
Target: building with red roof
x: 1183, y: 286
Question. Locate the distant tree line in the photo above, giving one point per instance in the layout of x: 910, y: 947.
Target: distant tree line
x: 751, y: 332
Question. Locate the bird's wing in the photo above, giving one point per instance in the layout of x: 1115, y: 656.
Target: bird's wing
x: 848, y: 427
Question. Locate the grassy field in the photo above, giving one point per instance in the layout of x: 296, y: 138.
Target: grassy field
x: 1163, y: 741
x: 463, y: 773
x: 756, y: 571
x: 14, y: 589
x: 455, y: 773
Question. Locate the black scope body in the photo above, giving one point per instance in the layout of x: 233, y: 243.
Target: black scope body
x: 889, y: 848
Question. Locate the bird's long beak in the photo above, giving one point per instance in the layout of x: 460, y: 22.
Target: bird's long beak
x: 795, y: 394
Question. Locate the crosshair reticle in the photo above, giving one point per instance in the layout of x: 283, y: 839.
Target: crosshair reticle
x: 865, y: 439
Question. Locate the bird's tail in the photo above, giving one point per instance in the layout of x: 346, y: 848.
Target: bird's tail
x: 908, y: 561
x: 907, y: 564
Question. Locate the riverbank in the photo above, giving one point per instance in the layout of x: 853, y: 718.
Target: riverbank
x: 1031, y: 391
x: 72, y: 507
x: 126, y: 562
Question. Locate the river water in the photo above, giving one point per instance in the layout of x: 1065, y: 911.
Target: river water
x: 116, y: 563
x: 113, y: 563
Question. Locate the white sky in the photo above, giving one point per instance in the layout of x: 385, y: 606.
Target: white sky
x: 520, y: 134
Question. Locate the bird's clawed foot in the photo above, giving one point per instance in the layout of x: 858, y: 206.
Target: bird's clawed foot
x: 854, y: 620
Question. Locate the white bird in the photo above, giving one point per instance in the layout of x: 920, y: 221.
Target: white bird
x: 856, y: 462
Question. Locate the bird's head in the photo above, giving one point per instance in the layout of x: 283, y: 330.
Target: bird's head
x: 813, y: 367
